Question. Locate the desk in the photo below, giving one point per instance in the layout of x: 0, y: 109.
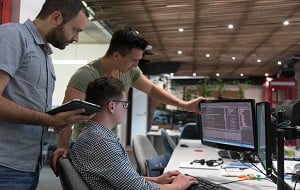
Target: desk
x: 208, y: 153
x: 173, y: 133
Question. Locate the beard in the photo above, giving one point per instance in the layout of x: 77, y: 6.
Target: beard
x: 57, y: 38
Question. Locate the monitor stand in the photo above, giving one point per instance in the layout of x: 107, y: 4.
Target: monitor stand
x: 288, y: 133
x: 229, y: 154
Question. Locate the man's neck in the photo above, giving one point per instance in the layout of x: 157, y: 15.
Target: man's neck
x: 105, y: 121
x: 109, y: 67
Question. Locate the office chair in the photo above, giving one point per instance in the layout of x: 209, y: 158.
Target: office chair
x: 69, y: 178
x: 149, y: 163
x: 190, y: 131
x: 168, y: 143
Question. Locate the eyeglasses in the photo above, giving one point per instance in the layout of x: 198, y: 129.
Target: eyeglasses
x: 125, y: 103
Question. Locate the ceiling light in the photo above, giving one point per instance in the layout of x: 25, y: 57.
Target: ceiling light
x: 266, y: 74
x: 217, y: 74
x: 207, y: 55
x: 286, y: 22
x: 180, y: 29
x: 148, y: 47
x: 178, y: 5
x: 258, y: 60
x: 233, y: 58
x: 242, y: 74
x: 194, y: 74
x: 172, y: 74
x: 179, y: 52
x: 230, y: 26
x: 279, y: 62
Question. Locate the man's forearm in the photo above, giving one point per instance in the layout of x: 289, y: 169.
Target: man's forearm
x: 63, y: 137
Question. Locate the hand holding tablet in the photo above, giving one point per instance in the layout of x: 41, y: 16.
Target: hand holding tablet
x: 90, y: 108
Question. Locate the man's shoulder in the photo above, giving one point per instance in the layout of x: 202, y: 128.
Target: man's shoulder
x: 12, y: 28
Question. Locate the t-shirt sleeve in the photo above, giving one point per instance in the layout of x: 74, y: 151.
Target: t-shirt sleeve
x: 136, y: 73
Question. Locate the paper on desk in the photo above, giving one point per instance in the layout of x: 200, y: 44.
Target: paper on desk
x: 240, y: 165
x: 187, y: 165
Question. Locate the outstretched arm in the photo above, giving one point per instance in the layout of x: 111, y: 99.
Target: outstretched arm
x: 162, y: 96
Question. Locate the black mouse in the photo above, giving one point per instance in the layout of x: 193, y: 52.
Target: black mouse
x: 183, y: 145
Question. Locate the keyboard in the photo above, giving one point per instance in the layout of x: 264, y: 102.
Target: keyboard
x: 206, y: 184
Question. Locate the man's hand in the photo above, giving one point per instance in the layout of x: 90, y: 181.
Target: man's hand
x: 193, y: 105
x: 60, y: 152
x: 63, y: 119
x: 167, y: 177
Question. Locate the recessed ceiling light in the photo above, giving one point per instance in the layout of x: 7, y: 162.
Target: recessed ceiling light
x: 233, y: 58
x: 179, y: 52
x: 258, y: 60
x: 242, y: 74
x: 266, y: 74
x: 230, y: 26
x: 194, y: 74
x: 286, y: 22
x: 279, y: 62
x: 177, y: 5
x: 180, y: 29
x: 148, y: 47
x: 172, y: 74
x: 217, y: 74
x: 207, y: 55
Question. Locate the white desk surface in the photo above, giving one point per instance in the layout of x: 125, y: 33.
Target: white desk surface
x: 173, y: 133
x: 196, y: 151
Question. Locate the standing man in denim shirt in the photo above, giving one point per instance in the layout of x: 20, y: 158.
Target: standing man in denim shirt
x: 26, y: 86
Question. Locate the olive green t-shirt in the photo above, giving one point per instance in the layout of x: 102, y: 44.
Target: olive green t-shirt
x: 91, y: 71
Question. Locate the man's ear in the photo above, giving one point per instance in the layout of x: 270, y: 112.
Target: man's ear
x: 56, y: 18
x: 111, y: 106
x: 116, y: 55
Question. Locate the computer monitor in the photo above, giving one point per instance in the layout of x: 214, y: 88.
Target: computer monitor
x: 183, y: 117
x: 265, y: 136
x: 161, y: 117
x: 229, y: 124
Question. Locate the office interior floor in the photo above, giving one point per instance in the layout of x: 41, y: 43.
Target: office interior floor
x: 48, y: 181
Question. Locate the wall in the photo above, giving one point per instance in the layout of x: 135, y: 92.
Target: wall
x: 29, y: 9
x: 67, y: 61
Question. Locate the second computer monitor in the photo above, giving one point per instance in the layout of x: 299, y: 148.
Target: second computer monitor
x: 266, y: 136
x: 229, y: 124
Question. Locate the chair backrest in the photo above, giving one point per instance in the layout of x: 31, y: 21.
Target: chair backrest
x: 69, y: 177
x: 168, y: 143
x: 142, y: 150
x: 190, y: 131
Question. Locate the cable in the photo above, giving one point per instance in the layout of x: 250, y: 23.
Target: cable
x: 240, y: 180
x: 283, y: 124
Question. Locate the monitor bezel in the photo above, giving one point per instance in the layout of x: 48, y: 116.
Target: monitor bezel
x: 227, y: 146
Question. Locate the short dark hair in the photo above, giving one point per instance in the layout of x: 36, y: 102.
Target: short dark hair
x: 124, y: 40
x: 104, y: 89
x: 68, y: 8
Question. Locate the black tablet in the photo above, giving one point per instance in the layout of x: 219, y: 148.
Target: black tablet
x: 90, y: 108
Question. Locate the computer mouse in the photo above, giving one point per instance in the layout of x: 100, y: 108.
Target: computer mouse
x: 184, y: 145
